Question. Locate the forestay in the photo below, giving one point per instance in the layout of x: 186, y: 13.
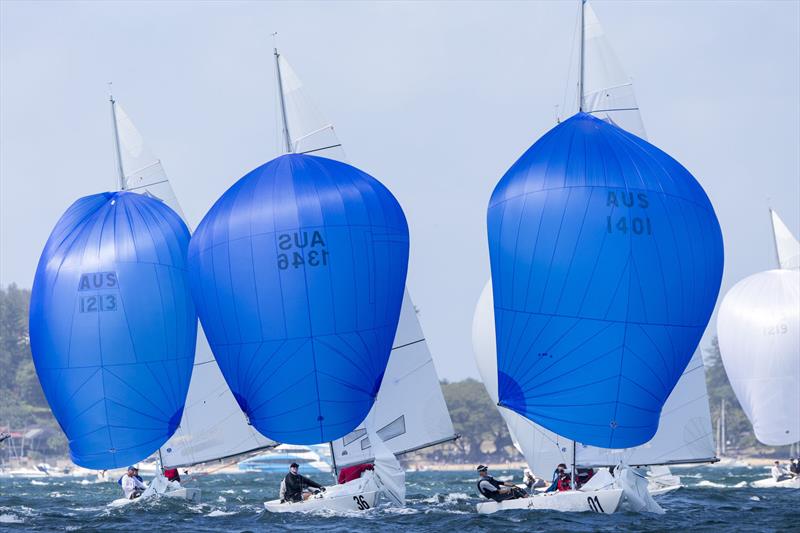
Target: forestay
x: 595, y: 324
x: 212, y: 427
x: 684, y: 432
x: 113, y: 326
x: 409, y: 412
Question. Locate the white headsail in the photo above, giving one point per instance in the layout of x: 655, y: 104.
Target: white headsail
x: 759, y: 338
x: 684, y: 431
x: 787, y: 247
x: 409, y: 412
x: 212, y: 426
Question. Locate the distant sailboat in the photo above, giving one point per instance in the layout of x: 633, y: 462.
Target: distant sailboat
x: 759, y: 339
x: 212, y: 427
x: 540, y: 275
x: 113, y: 325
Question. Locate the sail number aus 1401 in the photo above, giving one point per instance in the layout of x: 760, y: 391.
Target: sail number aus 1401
x: 619, y: 199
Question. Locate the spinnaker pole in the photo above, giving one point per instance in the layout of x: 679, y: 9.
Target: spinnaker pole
x: 286, y: 136
x: 117, y: 151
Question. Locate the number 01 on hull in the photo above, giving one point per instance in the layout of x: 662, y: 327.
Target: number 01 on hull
x: 597, y: 501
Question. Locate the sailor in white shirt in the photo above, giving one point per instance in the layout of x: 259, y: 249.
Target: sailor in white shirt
x: 779, y: 473
x: 131, y: 485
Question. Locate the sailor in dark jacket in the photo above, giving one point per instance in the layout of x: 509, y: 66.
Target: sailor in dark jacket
x: 497, y: 490
x: 294, y: 484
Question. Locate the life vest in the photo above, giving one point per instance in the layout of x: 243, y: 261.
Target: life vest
x: 488, y: 494
x: 564, y: 483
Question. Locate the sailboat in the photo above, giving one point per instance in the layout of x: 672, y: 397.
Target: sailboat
x: 113, y: 325
x: 554, y: 323
x: 299, y: 271
x: 684, y: 435
x: 758, y: 327
x: 410, y: 413
x: 212, y: 428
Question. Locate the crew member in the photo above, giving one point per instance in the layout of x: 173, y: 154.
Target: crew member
x: 132, y: 484
x: 294, y: 486
x: 495, y: 490
x: 172, y: 474
x: 533, y: 482
x: 560, y: 469
x: 779, y: 473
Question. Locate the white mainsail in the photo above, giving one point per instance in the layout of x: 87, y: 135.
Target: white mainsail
x: 409, y: 412
x: 607, y: 91
x: 758, y: 326
x: 684, y: 431
x: 787, y: 247
x: 212, y: 426
x: 141, y: 170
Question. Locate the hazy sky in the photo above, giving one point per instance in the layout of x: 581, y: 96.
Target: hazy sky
x: 436, y: 100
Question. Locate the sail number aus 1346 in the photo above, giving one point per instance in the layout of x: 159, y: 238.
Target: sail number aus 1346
x: 302, y: 248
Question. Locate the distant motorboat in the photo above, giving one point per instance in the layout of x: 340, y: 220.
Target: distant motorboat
x: 279, y: 459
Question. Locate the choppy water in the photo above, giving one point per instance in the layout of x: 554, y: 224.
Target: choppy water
x: 715, y: 499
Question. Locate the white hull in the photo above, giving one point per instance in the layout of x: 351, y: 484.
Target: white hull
x: 770, y: 483
x: 662, y: 490
x: 577, y: 501
x: 357, y: 495
x: 184, y: 493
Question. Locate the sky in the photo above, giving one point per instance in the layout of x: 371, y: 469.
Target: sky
x: 435, y: 99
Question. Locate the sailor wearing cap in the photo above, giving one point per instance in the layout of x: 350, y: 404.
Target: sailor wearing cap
x: 293, y: 486
x: 495, y: 490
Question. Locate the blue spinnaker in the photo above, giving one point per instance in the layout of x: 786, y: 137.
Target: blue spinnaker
x: 113, y: 326
x: 298, y: 273
x: 606, y: 259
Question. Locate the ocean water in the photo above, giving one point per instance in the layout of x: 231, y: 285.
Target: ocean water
x: 714, y: 499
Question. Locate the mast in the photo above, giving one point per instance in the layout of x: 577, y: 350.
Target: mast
x: 286, y: 136
x: 333, y: 458
x: 574, y: 469
x: 722, y: 430
x: 581, y: 66
x: 117, y: 152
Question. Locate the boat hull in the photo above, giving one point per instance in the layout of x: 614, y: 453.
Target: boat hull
x: 190, y: 494
x: 357, y: 495
x: 770, y: 483
x: 596, y: 501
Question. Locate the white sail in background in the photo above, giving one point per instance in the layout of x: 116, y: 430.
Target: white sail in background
x: 143, y: 172
x: 786, y: 245
x: 212, y: 426
x: 684, y: 430
x: 607, y: 91
x: 409, y: 412
x: 759, y: 338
